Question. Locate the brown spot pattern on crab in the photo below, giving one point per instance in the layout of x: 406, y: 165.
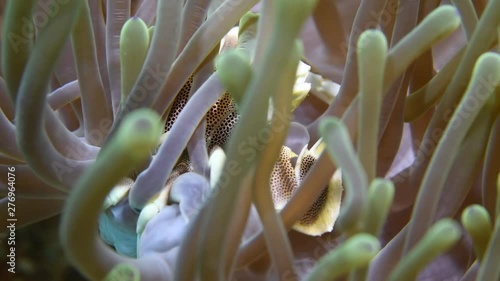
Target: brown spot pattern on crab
x: 221, y: 120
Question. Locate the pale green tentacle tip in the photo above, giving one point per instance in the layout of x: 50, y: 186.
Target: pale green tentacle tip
x: 134, y: 37
x: 352, y: 214
x: 134, y: 44
x: 139, y: 132
x: 382, y: 190
x: 488, y: 63
x: 247, y: 33
x: 372, y: 57
x: 328, y: 123
x: 356, y: 252
x: 477, y: 223
x: 332, y: 125
x: 476, y: 217
x: 248, y: 20
x: 487, y: 74
x: 445, y: 232
x: 447, y: 17
x: 373, y: 42
x: 438, y: 239
x: 380, y: 196
x: 123, y: 272
x: 134, y: 25
x: 489, y: 269
x: 234, y: 71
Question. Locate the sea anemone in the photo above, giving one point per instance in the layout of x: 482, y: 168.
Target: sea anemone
x: 247, y: 140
